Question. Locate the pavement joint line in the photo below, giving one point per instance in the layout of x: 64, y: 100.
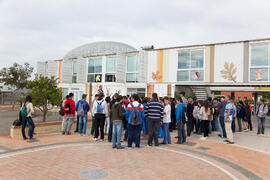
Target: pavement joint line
x: 204, y: 160
x: 250, y: 175
x: 5, y: 148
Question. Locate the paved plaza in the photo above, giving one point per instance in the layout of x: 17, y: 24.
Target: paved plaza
x: 75, y: 157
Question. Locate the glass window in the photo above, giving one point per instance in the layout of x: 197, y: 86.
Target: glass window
x: 183, y: 59
x: 183, y: 75
x: 75, y: 67
x: 259, y: 55
x: 132, y: 63
x: 110, y: 77
x: 94, y: 70
x: 110, y: 65
x: 190, y: 65
x: 131, y: 77
x: 197, y: 59
x: 196, y: 75
x: 258, y: 74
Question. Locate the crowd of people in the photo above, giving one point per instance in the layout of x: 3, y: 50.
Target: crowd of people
x: 154, y: 117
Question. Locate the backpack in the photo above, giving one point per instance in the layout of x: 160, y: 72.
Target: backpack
x: 136, y: 116
x: 23, y: 111
x: 80, y: 111
x: 61, y: 111
x: 17, y: 122
x: 99, y: 107
x: 67, y: 107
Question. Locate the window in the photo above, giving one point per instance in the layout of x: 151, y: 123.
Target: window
x: 74, y: 71
x: 139, y: 91
x: 110, y: 69
x: 132, y: 69
x: 259, y: 62
x: 94, y: 70
x: 190, y: 65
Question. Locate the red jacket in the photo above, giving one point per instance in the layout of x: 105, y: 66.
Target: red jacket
x: 72, y: 106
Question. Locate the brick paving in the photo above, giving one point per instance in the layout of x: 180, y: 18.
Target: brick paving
x: 65, y: 157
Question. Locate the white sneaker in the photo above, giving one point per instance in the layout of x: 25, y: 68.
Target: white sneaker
x: 102, y: 140
x: 95, y: 139
x: 203, y: 138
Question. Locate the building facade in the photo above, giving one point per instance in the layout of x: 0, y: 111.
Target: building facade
x: 241, y: 68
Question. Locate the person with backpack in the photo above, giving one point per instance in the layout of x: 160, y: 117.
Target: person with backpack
x: 69, y: 114
x: 205, y: 112
x: 261, y: 112
x: 154, y: 115
x: 26, y: 112
x: 180, y: 118
x: 100, y: 111
x: 117, y: 119
x: 82, y: 108
x: 135, y: 116
x: 228, y: 115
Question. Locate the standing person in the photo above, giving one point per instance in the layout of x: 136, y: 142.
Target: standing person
x: 221, y: 106
x: 135, y: 116
x: 239, y: 120
x: 63, y: 119
x: 154, y: 115
x: 113, y: 101
x: 190, y: 123
x: 100, y: 111
x: 248, y: 114
x: 180, y: 121
x: 195, y: 116
x: 199, y: 116
x: 125, y: 123
x: 205, y: 112
x: 107, y: 120
x: 173, y: 115
x: 117, y: 118
x: 261, y: 112
x: 26, y: 113
x: 93, y: 117
x: 69, y: 108
x: 145, y: 122
x: 216, y: 115
x: 234, y: 116
x: 182, y: 96
x: 241, y: 115
x: 100, y: 90
x: 229, y: 114
x: 82, y: 108
x: 167, y: 121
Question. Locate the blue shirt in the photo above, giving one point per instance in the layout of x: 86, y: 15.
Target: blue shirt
x: 227, y: 107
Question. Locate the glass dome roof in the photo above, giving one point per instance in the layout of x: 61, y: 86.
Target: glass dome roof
x: 99, y: 48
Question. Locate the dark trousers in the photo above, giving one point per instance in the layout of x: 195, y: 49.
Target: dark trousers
x: 77, y: 124
x: 134, y: 135
x: 110, y: 130
x: 173, y: 124
x: 181, y: 132
x: 153, y: 127
x: 213, y: 124
x: 31, y: 127
x: 93, y: 126
x: 190, y: 125
x: 205, y: 124
x: 99, y: 125
x: 222, y: 124
x: 249, y: 123
x: 233, y: 125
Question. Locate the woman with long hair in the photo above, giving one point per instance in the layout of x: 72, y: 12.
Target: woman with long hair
x: 205, y: 113
x: 27, y: 111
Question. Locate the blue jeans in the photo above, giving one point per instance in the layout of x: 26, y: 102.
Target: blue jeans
x: 116, y: 134
x: 30, y: 124
x: 84, y: 120
x: 181, y: 132
x: 216, y: 123
x: 199, y: 126
x: 167, y: 136
x: 261, y: 124
x: 134, y: 135
x: 222, y: 126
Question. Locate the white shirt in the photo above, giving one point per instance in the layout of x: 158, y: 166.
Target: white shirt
x: 30, y: 109
x: 167, y: 116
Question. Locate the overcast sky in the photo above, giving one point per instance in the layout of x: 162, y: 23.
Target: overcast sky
x: 39, y: 30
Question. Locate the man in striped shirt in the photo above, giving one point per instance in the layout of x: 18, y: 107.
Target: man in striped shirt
x: 154, y: 113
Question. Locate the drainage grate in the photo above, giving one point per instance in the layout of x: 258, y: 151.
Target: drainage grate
x: 94, y: 174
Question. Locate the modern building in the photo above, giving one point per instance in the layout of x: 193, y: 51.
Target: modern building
x: 240, y: 68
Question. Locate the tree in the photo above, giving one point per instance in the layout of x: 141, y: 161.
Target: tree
x: 45, y: 93
x: 16, y: 78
